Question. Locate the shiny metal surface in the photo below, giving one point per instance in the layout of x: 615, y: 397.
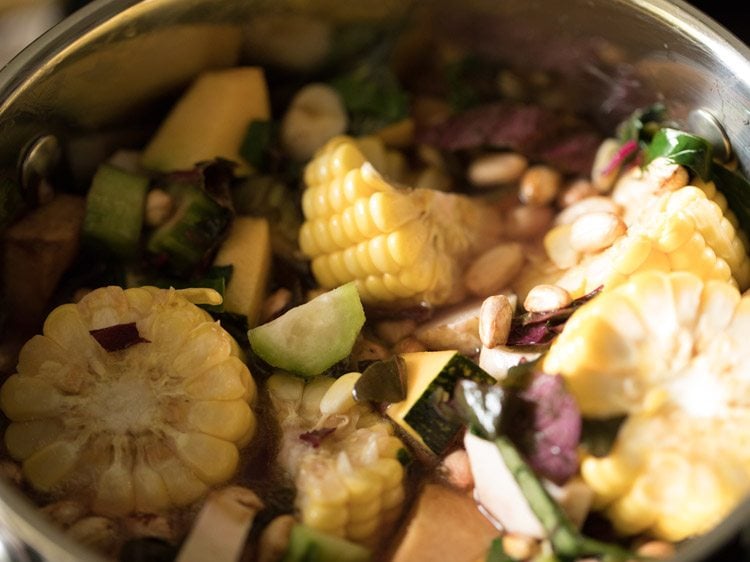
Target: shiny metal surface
x: 113, y: 62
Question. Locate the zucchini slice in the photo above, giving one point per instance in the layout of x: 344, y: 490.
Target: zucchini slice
x: 431, y: 377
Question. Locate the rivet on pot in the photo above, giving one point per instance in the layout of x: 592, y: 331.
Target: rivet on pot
x: 37, y: 164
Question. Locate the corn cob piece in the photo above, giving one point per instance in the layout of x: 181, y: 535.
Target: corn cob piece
x: 396, y: 244
x: 688, y: 228
x: 141, y: 424
x: 668, y: 350
x: 351, y: 484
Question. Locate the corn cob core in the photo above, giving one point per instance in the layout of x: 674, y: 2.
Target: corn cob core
x: 352, y: 484
x: 405, y: 245
x: 142, y: 429
x: 668, y: 350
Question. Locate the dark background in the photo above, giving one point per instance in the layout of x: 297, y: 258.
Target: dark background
x: 732, y: 16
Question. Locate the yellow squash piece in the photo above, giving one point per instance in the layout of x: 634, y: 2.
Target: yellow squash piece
x: 398, y: 245
x: 351, y: 485
x: 669, y: 351
x: 210, y: 120
x: 142, y: 429
x: 248, y: 250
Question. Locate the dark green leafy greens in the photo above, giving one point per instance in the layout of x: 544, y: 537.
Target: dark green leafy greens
x: 696, y: 154
x: 642, y: 124
x: 682, y: 148
x: 488, y: 412
x: 372, y: 96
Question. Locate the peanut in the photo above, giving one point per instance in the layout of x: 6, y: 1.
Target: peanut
x: 494, y: 320
x: 496, y: 169
x: 545, y: 298
x: 595, y: 231
x: 539, y: 185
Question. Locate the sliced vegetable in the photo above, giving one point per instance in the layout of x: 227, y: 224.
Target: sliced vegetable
x: 154, y: 426
x: 437, y: 510
x: 342, y: 457
x: 210, y: 121
x: 308, y: 545
x: 38, y: 249
x: 495, y: 456
x: 222, y: 526
x: 247, y: 250
x: 194, y: 230
x: 312, y: 337
x: 114, y: 211
x: 431, y: 377
x: 404, y: 246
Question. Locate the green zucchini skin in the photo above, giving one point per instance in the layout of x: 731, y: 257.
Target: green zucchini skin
x: 438, y: 432
x: 114, y: 211
x: 196, y: 228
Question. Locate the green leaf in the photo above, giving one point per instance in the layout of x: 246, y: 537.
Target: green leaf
x: 642, y: 124
x: 682, y: 148
x: 257, y: 142
x: 373, y: 97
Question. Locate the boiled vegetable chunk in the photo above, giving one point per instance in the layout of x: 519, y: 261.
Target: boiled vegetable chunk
x: 114, y: 210
x: 445, y: 525
x: 312, y: 337
x: 37, y: 251
x: 431, y: 377
x: 248, y: 250
x: 210, y: 120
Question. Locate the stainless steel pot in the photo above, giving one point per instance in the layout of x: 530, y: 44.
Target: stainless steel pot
x: 108, y: 67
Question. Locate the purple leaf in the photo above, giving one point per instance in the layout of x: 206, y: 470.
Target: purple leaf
x: 315, y: 437
x: 538, y: 132
x: 535, y: 328
x: 628, y: 149
x: 554, y: 429
x: 118, y: 337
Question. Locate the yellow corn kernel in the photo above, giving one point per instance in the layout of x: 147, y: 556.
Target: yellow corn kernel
x: 664, y: 349
x: 398, y: 244
x: 351, y: 485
